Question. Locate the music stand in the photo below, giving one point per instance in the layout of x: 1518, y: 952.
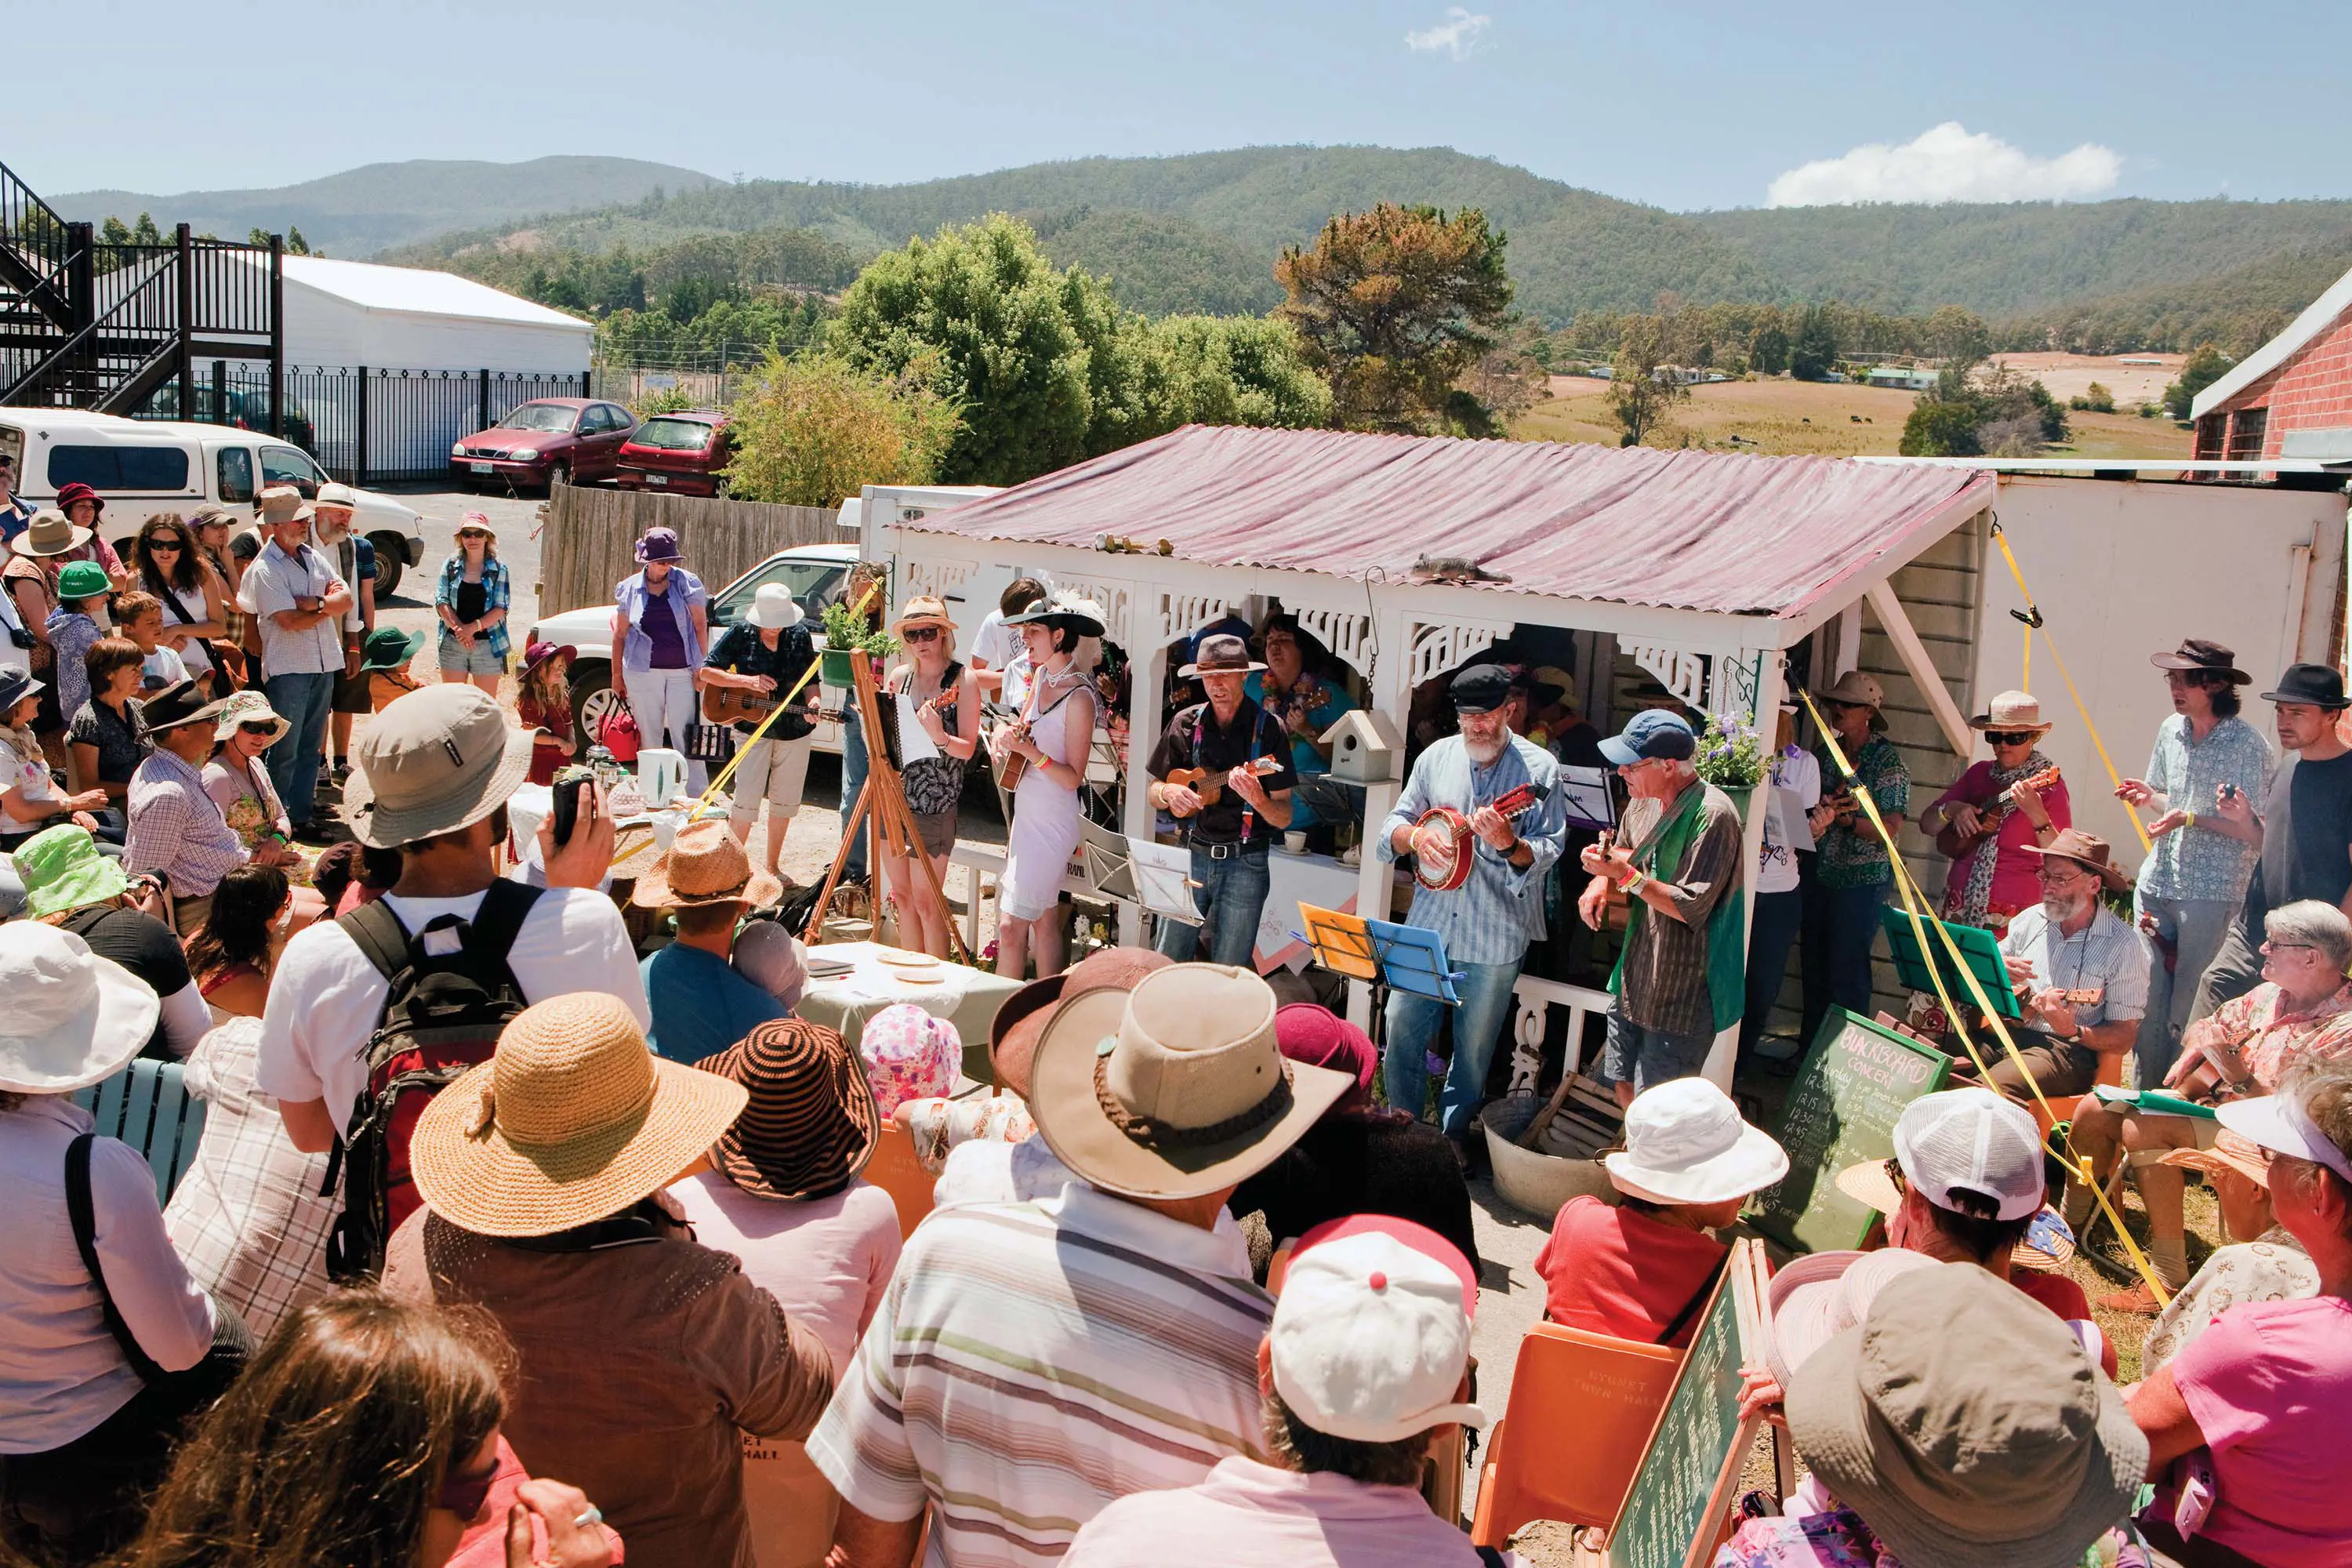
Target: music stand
x: 1330, y: 802
x: 1105, y: 864
x: 1591, y: 805
x: 1339, y: 941
x: 1412, y: 960
x: 1917, y: 970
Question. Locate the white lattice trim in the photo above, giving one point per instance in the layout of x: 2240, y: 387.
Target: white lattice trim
x: 940, y: 579
x: 1436, y: 648
x: 1112, y: 598
x: 1679, y: 671
x: 1348, y: 635
x: 1181, y: 614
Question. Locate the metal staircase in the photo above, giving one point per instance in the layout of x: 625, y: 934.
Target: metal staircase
x: 86, y: 325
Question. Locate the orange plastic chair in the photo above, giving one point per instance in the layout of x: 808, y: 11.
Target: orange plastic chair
x: 2111, y: 1072
x: 1581, y: 1408
x: 897, y: 1171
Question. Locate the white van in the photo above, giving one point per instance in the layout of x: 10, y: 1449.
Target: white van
x: 143, y: 466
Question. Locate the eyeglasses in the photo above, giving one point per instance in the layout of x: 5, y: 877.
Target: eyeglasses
x: 920, y: 634
x: 2009, y: 737
x: 463, y: 1493
x: 2289, y: 947
x: 2053, y: 869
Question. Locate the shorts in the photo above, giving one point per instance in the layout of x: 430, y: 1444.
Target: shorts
x: 457, y: 659
x: 773, y: 770
x: 353, y: 693
x: 937, y: 830
x: 1647, y: 1057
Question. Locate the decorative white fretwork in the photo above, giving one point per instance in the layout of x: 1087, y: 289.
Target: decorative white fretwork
x: 941, y: 579
x: 1732, y: 687
x: 1438, y: 649
x: 1347, y: 632
x: 1110, y: 597
x: 1679, y: 671
x: 1535, y: 998
x: 1180, y: 614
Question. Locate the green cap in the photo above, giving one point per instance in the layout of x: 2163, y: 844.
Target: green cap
x: 388, y: 649
x: 62, y: 869
x: 83, y: 580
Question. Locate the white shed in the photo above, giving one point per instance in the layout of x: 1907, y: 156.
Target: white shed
x: 405, y: 318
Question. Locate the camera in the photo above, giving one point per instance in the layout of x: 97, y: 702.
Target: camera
x: 569, y: 783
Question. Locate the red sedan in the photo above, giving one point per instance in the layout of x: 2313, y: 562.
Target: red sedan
x: 680, y: 453
x: 575, y: 440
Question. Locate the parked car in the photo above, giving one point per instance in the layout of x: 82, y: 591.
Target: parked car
x: 679, y: 453
x: 145, y: 466
x: 576, y: 440
x: 814, y: 573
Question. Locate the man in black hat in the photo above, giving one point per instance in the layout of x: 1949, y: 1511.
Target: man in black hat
x: 1231, y: 814
x: 2304, y: 828
x: 1488, y: 920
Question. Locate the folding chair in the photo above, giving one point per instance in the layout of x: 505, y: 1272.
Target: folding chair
x: 147, y: 1105
x: 897, y: 1171
x: 1581, y: 1408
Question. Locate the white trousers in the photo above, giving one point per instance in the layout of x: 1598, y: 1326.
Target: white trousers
x: 664, y: 703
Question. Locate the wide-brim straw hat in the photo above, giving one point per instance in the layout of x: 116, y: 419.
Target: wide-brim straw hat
x: 1176, y: 1088
x: 436, y: 759
x: 923, y: 610
x: 809, y: 1123
x: 570, y: 1121
x: 2048, y: 1244
x: 2013, y: 711
x: 2085, y: 850
x: 249, y: 706
x: 1960, y: 1459
x: 50, y: 534
x: 704, y: 865
x: 73, y: 1018
x: 2232, y: 1153
x: 1012, y: 1034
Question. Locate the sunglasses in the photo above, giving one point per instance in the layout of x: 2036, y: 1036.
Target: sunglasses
x: 254, y: 726
x: 921, y: 634
x: 2011, y: 737
x: 476, y: 533
x: 464, y: 1494
x: 160, y: 545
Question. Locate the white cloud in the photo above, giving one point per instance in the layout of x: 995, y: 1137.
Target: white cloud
x: 1457, y: 35
x: 1948, y: 163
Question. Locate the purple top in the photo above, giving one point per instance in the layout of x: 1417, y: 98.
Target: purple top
x: 660, y: 626
x: 661, y: 630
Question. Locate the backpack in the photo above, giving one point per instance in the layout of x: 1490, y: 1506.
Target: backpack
x: 443, y: 1015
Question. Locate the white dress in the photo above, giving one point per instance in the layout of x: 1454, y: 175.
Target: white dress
x: 1044, y: 814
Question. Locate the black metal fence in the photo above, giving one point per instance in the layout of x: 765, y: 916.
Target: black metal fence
x: 365, y: 426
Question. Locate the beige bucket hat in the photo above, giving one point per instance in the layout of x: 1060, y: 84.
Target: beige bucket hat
x: 434, y: 760
x: 2013, y: 711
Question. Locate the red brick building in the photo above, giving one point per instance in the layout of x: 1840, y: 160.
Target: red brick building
x: 2293, y: 397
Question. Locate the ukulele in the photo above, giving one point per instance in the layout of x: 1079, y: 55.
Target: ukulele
x: 1952, y: 842
x: 1209, y: 783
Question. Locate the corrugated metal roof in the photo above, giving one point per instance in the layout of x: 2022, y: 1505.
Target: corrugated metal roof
x: 1701, y: 531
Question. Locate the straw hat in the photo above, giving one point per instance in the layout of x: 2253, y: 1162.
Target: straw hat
x: 1012, y: 1035
x: 704, y: 864
x: 249, y: 708
x: 2231, y: 1152
x: 570, y: 1121
x: 73, y: 1017
x: 434, y: 760
x: 923, y: 610
x: 2013, y: 711
x: 50, y: 534
x: 809, y: 1123
x: 1176, y: 1088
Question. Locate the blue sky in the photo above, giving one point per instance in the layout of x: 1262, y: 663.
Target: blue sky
x: 1683, y: 103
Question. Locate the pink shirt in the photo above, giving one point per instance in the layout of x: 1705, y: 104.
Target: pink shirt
x: 2015, y: 886
x: 1248, y: 1515
x: 825, y: 1260
x: 2269, y: 1383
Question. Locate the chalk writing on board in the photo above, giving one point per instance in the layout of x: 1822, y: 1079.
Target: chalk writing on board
x: 1840, y: 1110
x: 1667, y: 1505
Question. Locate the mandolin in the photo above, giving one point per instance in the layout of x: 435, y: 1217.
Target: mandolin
x: 1209, y: 783
x: 1952, y: 842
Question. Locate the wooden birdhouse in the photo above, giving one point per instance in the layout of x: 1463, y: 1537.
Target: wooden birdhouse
x: 1365, y: 747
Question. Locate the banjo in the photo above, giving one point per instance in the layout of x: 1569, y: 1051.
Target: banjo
x: 1444, y: 843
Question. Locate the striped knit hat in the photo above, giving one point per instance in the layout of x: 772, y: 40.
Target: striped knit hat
x: 811, y: 1123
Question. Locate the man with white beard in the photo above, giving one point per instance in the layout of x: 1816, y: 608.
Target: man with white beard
x: 1488, y: 922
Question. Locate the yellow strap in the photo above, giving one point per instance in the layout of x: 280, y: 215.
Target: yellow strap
x: 727, y: 772
x: 1914, y: 904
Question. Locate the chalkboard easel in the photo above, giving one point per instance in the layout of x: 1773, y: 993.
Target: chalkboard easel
x: 1675, y: 1512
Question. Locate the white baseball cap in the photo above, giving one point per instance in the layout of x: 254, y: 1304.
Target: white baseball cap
x: 2277, y: 1121
x: 1371, y: 1335
x: 1686, y: 1143
x: 1971, y: 1138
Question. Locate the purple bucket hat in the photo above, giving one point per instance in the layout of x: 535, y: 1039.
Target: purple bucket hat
x: 659, y: 544
x: 909, y: 1055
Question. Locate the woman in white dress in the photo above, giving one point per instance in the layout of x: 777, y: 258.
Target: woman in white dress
x: 1053, y: 739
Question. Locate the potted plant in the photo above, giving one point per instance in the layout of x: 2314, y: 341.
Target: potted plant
x: 1730, y: 756
x: 844, y: 638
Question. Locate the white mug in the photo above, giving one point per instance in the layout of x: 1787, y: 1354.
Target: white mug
x: 1294, y: 841
x: 661, y: 773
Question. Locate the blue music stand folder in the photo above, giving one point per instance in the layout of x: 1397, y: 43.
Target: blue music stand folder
x: 1412, y: 960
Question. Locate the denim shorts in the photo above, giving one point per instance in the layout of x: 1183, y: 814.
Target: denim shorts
x: 1645, y: 1057
x: 457, y: 659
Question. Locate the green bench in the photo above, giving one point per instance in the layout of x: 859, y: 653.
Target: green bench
x: 148, y: 1106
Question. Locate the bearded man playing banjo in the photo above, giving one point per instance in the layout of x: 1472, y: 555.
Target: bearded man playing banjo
x: 1484, y: 817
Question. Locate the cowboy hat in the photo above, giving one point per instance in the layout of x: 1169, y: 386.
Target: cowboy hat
x: 2204, y: 657
x: 50, y: 534
x: 1012, y: 1035
x: 62, y: 869
x: 810, y: 1121
x: 1220, y: 655
x: 1854, y: 689
x: 434, y: 760
x: 923, y: 610
x: 2319, y: 685
x: 773, y: 608
x: 249, y: 708
x: 2013, y: 711
x: 2087, y: 850
x: 1686, y: 1143
x: 74, y: 1019
x: 179, y: 703
x: 704, y: 865
x: 570, y: 1121
x: 1176, y: 1088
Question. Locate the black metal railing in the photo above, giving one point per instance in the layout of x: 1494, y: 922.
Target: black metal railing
x: 136, y: 320
x: 37, y: 247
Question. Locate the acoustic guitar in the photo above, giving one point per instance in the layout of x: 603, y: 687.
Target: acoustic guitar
x: 1952, y: 842
x: 1209, y: 783
x: 728, y: 705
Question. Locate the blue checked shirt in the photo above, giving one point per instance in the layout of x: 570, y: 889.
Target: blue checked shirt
x: 1491, y: 917
x: 2197, y: 862
x: 2107, y: 956
x: 496, y: 595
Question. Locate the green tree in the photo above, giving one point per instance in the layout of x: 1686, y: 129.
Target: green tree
x: 1813, y: 352
x: 1638, y: 396
x: 1392, y: 305
x: 1956, y: 336
x: 1233, y: 370
x: 1941, y: 428
x: 814, y: 428
x: 2205, y: 365
x: 1767, y: 351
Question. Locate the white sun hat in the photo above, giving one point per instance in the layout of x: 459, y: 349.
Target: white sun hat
x: 1369, y: 1338
x: 1686, y: 1143
x: 73, y: 1018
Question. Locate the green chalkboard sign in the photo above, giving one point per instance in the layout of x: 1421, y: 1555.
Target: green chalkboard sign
x: 1840, y: 1110
x: 1682, y: 1490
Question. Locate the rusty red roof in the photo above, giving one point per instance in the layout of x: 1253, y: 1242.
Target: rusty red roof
x: 1702, y: 531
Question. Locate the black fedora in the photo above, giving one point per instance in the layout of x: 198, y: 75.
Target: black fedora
x: 2206, y: 658
x: 2318, y: 685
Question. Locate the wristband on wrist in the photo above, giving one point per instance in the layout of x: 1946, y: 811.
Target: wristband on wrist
x: 1632, y: 884
x: 2187, y: 819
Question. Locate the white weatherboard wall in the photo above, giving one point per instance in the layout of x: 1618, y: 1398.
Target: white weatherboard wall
x: 2122, y: 571
x: 404, y: 318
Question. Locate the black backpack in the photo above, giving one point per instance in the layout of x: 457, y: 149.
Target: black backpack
x: 443, y: 1015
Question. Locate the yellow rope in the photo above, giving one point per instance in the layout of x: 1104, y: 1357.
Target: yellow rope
x: 774, y: 713
x: 1914, y: 904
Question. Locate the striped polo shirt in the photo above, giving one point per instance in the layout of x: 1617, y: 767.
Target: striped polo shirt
x: 1032, y: 1363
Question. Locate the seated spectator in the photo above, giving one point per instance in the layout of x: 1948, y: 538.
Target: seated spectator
x: 238, y: 782
x: 1641, y: 1268
x: 435, y: 771
x: 2270, y: 1266
x: 368, y: 1435
x: 2302, y: 1011
x: 1360, y: 1159
x: 75, y: 627
x: 2072, y: 944
x: 770, y: 957
x: 230, y: 954
x: 30, y: 799
x: 1093, y: 1344
x: 98, y: 1368
x: 642, y: 1352
x: 909, y: 1055
x: 700, y: 1006
x: 350, y: 873
x: 141, y: 617
x: 72, y: 886
x: 105, y: 737
x: 177, y: 831
x: 2249, y: 1416
x: 1359, y: 1374
x: 1926, y: 1449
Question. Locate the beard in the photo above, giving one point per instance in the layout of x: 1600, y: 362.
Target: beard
x: 1485, y: 751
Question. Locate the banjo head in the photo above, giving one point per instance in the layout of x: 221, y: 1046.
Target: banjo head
x: 1442, y: 850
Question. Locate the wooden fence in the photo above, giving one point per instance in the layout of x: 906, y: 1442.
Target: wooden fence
x: 591, y: 539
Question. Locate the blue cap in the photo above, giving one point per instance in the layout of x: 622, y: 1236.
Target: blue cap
x: 1652, y: 732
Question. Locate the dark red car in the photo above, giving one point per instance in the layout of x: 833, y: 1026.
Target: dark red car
x: 575, y: 440
x: 680, y: 453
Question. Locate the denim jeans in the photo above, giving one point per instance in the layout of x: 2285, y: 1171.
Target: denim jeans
x: 2195, y: 927
x: 1773, y: 932
x: 1231, y: 891
x: 1841, y: 927
x: 302, y: 700
x: 852, y: 779
x: 1647, y: 1057
x: 1412, y: 1021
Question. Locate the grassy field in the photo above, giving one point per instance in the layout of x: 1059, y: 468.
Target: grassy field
x: 1813, y: 418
